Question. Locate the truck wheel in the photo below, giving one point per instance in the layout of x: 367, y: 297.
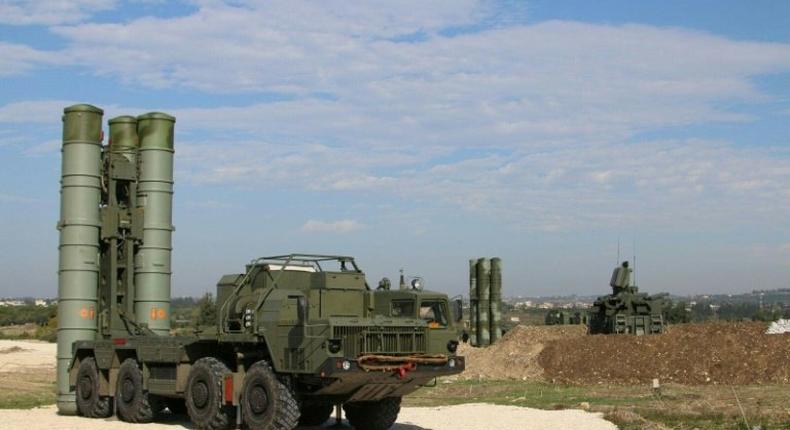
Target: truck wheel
x: 205, y: 405
x: 89, y: 402
x: 266, y: 403
x: 133, y: 403
x: 314, y: 413
x: 378, y: 415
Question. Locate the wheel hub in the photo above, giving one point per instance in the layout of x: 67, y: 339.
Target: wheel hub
x: 259, y: 401
x: 127, y: 390
x: 86, y: 387
x: 200, y: 394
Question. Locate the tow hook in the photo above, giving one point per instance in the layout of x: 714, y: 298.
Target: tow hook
x: 404, y: 369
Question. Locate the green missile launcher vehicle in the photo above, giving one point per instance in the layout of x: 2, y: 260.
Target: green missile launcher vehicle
x: 295, y: 336
x: 626, y: 310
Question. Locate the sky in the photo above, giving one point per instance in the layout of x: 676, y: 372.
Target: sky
x: 418, y: 135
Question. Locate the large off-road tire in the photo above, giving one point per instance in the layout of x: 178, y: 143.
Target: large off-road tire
x: 314, y: 413
x: 204, y: 396
x: 132, y: 401
x: 89, y: 402
x: 267, y: 403
x: 378, y: 415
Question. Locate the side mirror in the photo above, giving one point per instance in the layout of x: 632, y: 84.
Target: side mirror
x: 458, y: 310
x: 301, y: 309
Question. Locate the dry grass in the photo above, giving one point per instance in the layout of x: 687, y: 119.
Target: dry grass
x: 27, y: 388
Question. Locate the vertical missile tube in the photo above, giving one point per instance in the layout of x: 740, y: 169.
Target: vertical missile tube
x: 473, y: 301
x: 484, y: 293
x: 78, y: 270
x: 155, y: 200
x: 118, y: 263
x: 496, y: 299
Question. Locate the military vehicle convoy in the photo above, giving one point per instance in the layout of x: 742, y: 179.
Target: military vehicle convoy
x: 626, y: 310
x: 558, y: 317
x: 296, y: 334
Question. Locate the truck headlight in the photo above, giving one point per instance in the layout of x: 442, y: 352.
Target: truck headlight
x: 346, y: 365
x: 334, y: 345
x: 452, y: 345
x: 451, y: 363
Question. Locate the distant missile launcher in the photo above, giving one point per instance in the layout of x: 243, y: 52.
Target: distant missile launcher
x: 485, y: 301
x: 626, y: 310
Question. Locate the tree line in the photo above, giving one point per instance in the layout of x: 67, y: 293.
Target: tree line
x: 186, y: 313
x: 681, y: 312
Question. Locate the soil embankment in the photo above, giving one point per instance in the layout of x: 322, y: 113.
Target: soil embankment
x: 690, y: 354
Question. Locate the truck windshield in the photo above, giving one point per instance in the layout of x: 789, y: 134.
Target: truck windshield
x: 403, y: 308
x: 434, y: 312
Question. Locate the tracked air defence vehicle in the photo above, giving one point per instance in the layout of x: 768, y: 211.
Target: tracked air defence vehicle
x: 626, y: 310
x: 295, y: 336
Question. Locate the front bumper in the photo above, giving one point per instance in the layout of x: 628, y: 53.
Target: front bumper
x: 346, y: 378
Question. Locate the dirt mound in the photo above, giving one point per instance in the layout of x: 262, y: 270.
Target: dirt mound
x: 721, y: 353
x: 515, y: 356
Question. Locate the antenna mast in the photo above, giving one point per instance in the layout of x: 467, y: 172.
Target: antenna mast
x: 634, y: 249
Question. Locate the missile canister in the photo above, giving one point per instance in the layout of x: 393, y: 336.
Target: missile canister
x: 123, y: 136
x: 78, y: 270
x: 155, y: 199
x: 473, y: 301
x: 483, y: 291
x: 121, y: 182
x: 496, y: 299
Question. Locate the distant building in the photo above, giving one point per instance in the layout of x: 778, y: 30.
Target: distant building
x: 11, y: 302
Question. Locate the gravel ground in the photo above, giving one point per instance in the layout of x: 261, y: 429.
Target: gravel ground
x: 26, y: 354
x: 474, y: 416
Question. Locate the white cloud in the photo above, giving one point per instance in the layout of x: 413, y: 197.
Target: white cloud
x: 340, y: 226
x: 50, y: 12
x: 43, y: 148
x: 209, y: 205
x: 34, y: 112
x: 510, y: 87
x: 535, y: 124
x: 17, y: 59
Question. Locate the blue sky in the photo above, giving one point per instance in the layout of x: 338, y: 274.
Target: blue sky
x: 420, y: 134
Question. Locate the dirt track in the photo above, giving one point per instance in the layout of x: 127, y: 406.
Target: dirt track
x: 28, y: 358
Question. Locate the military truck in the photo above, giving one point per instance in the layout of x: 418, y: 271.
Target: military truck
x: 626, y: 310
x: 295, y: 334
x: 293, y: 339
x: 558, y: 317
